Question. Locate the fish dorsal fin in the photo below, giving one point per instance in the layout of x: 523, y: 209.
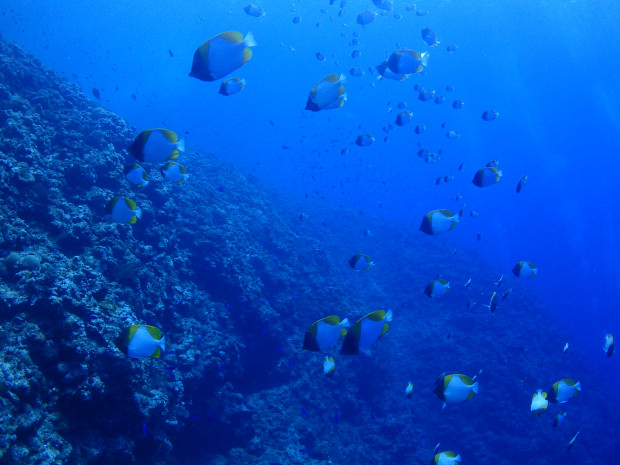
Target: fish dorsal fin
x: 377, y: 315
x: 332, y: 320
x: 153, y: 331
x: 170, y: 136
x: 175, y: 154
x: 446, y: 212
x: 232, y: 36
x: 130, y: 204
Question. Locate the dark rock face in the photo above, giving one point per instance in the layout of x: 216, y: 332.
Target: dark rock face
x: 234, y: 283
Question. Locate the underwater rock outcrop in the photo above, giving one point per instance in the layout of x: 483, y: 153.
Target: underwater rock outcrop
x: 233, y: 278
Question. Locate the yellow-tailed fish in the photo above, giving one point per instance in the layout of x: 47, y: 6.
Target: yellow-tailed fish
x: 487, y: 176
x: 175, y: 172
x: 361, y: 262
x: 366, y: 331
x: 539, y: 403
x: 329, y: 366
x: 221, y: 55
x: 455, y: 388
x: 156, y: 145
x: 139, y: 341
x: 323, y: 333
x: 525, y: 269
x: 563, y: 390
x: 328, y: 93
x: 438, y: 222
x: 437, y: 288
x: 232, y: 86
x: 447, y: 458
x: 136, y: 175
x: 407, y: 61
x: 122, y: 210
x: 609, y: 344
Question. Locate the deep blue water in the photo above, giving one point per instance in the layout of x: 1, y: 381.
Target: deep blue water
x: 549, y: 67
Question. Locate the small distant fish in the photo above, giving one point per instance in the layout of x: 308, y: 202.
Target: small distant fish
x: 409, y: 389
x: 403, y: 117
x: 170, y: 53
x: 437, y: 288
x: 420, y: 128
x: 458, y: 104
x: 136, y: 175
x: 436, y: 447
x: 487, y: 176
x: 367, y: 233
x: 221, y: 55
x: 450, y: 88
x: 565, y: 348
x: 421, y: 12
x: 366, y: 17
x: 387, y: 5
x: 500, y: 281
x: 478, y: 236
x: 329, y: 366
x: 407, y: 61
x: 320, y: 56
x: 559, y: 419
x: 139, y: 341
x: 297, y: 20
x: 364, y: 140
x: 539, y: 403
x: 426, y: 95
x: 356, y: 71
x: 473, y: 213
x: 451, y: 48
x: 461, y: 166
x: 609, y: 344
x: 440, y: 99
x: 402, y: 105
x: 328, y: 93
x: 525, y: 269
x: 506, y: 294
x: 96, y: 93
x: 572, y: 441
x: 361, y: 262
x: 429, y: 37
x: 453, y: 135
x: 458, y: 196
x: 366, y: 331
x: 563, y: 390
x: 175, y: 172
x: 156, y: 145
x: 438, y: 222
x: 122, y: 210
x: 493, y: 302
x: 521, y: 183
x: 468, y: 283
x: 232, y: 86
x: 471, y: 303
x: 254, y: 10
x: 356, y: 53
x: 455, y: 388
x: 323, y: 333
x: 490, y: 115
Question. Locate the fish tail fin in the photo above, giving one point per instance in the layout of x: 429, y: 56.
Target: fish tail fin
x: 424, y: 60
x: 162, y: 343
x: 389, y: 315
x: 474, y: 388
x: 181, y: 145
x: 249, y: 40
x: 443, y: 407
x: 342, y: 78
x: 345, y: 323
x: 138, y: 213
x: 578, y: 386
x: 456, y: 218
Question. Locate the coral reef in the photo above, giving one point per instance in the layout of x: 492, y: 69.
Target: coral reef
x: 233, y: 278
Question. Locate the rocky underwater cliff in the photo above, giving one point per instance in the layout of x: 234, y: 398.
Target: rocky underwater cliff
x: 233, y: 278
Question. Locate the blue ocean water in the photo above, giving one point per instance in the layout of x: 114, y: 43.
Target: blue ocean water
x: 549, y: 69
